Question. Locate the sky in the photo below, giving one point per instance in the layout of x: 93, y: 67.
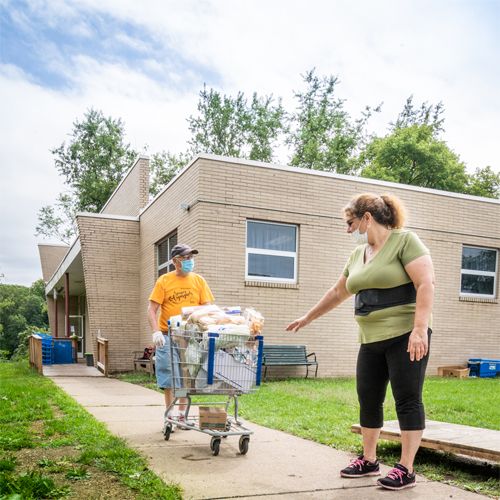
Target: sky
x: 145, y: 62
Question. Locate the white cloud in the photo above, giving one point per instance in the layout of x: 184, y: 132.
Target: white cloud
x: 381, y: 51
x: 36, y: 120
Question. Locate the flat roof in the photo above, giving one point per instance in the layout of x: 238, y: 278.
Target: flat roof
x: 320, y: 173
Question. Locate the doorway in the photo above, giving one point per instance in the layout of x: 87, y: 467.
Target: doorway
x: 76, y: 327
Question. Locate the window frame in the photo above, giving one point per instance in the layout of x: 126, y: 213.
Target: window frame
x: 165, y: 264
x: 479, y: 273
x: 280, y: 253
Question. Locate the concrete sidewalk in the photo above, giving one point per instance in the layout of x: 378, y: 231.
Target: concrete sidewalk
x: 277, y: 466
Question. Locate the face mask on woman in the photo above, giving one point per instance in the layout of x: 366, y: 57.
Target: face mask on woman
x: 187, y: 265
x: 360, y: 238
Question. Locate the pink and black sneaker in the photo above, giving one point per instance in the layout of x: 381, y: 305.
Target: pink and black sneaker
x: 398, y: 478
x: 359, y: 467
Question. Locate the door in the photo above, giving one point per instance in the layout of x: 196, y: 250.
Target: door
x: 76, y: 328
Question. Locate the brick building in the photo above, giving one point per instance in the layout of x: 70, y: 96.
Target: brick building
x: 271, y: 237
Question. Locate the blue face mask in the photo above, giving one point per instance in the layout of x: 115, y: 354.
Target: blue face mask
x: 187, y: 265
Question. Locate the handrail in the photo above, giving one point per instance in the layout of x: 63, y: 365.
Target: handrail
x: 35, y: 352
x: 102, y: 355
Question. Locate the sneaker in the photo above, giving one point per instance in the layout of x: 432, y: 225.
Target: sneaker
x: 359, y: 467
x: 398, y: 478
x: 183, y: 421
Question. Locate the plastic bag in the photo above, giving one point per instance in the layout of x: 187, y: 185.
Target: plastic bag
x: 255, y: 320
x: 193, y: 356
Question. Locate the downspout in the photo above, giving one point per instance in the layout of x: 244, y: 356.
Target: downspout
x: 66, y: 302
x: 55, y: 314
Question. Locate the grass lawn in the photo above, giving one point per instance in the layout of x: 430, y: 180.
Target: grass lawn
x: 51, y: 447
x: 324, y: 409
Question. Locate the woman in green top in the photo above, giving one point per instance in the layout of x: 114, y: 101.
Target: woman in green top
x: 391, y: 274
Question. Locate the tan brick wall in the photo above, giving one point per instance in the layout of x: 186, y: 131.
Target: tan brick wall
x: 229, y: 194
x: 223, y: 196
x: 50, y: 258
x: 133, y: 192
x: 160, y: 219
x: 110, y: 255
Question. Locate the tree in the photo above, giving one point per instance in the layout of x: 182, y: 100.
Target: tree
x: 229, y: 126
x: 412, y: 155
x: 163, y: 167
x: 58, y: 220
x: 92, y: 163
x: 484, y: 182
x: 20, y: 308
x: 322, y: 134
x: 425, y: 114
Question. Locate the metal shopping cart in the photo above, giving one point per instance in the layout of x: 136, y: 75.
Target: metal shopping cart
x: 208, y: 364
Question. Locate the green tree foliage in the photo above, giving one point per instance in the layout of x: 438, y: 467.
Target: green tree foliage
x: 58, y: 220
x: 425, y: 114
x: 163, y: 167
x: 412, y: 155
x: 322, y: 134
x: 92, y: 164
x: 226, y: 126
x: 231, y: 126
x: 21, y: 308
x: 484, y: 182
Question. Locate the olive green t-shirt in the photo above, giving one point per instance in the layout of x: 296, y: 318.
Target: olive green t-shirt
x: 384, y: 270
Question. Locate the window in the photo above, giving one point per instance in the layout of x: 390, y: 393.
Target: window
x: 479, y: 272
x: 271, y: 252
x: 163, y: 253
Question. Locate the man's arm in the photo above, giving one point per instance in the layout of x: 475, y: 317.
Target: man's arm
x: 153, y: 315
x: 158, y: 339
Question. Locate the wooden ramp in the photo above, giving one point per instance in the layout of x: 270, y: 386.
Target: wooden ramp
x: 453, y: 438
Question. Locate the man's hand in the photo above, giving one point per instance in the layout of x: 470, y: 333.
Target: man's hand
x: 158, y: 339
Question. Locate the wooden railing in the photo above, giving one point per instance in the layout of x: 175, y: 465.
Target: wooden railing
x: 102, y: 355
x: 35, y: 352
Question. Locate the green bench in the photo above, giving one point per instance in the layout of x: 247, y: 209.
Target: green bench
x: 288, y: 355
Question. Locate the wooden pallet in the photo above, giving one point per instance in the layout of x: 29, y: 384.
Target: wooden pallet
x: 453, y: 371
x: 453, y: 438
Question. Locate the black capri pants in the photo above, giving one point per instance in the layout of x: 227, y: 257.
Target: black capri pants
x: 384, y: 361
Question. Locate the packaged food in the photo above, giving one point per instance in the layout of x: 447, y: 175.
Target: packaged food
x: 232, y: 310
x: 254, y: 319
x: 188, y: 311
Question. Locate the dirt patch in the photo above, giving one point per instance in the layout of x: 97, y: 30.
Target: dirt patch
x: 58, y: 461
x: 37, y: 427
x: 58, y: 414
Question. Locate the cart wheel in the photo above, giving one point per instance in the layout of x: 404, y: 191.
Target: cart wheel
x: 215, y: 446
x: 244, y: 440
x: 167, y: 431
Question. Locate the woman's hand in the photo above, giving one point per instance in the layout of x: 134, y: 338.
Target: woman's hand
x: 296, y: 325
x: 418, y: 344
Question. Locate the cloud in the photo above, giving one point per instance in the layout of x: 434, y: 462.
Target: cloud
x: 145, y: 62
x: 36, y: 120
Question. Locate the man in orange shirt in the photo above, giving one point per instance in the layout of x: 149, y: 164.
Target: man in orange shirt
x: 173, y: 291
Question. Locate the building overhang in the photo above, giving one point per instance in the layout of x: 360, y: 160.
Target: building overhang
x: 71, y: 264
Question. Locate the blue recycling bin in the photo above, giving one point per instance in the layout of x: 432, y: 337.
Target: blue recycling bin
x: 63, y: 352
x: 47, y: 348
x: 484, y: 368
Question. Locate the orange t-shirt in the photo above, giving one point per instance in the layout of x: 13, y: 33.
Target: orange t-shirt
x: 174, y: 292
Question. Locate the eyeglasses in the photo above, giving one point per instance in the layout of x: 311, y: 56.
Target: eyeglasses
x: 184, y: 257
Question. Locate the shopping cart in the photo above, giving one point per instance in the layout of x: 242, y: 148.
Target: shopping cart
x: 208, y: 364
